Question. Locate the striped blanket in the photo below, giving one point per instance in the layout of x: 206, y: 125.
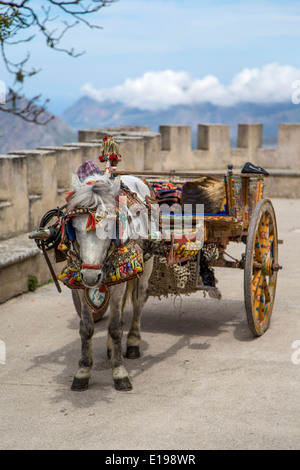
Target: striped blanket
x: 167, y: 193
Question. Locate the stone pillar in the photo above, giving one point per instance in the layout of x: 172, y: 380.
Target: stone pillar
x: 68, y: 159
x: 152, y: 151
x: 85, y: 135
x: 131, y: 149
x: 250, y: 136
x: 14, y: 203
x: 63, y: 165
x: 176, y: 139
x: 215, y: 138
x: 41, y: 183
x: 176, y: 147
x: 89, y: 150
x: 289, y: 146
x: 152, y: 148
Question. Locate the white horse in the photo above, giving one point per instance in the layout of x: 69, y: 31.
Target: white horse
x: 94, y: 246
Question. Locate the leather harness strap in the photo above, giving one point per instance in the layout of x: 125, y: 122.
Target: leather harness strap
x: 90, y: 266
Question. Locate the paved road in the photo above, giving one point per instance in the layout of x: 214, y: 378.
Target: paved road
x: 202, y: 382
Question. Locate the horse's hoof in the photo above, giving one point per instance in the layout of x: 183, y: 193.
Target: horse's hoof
x: 123, y: 385
x: 133, y: 352
x: 80, y: 385
x: 108, y: 352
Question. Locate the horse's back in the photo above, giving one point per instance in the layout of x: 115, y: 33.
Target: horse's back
x: 136, y: 185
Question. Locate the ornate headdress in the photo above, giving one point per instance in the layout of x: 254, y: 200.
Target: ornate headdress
x: 109, y: 154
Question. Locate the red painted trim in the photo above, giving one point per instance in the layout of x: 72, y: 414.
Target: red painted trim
x: 90, y: 266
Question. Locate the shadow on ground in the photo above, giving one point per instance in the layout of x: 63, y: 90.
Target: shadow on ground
x: 190, y: 325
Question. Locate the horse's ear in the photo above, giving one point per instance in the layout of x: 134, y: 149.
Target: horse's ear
x: 75, y: 181
x: 116, y: 185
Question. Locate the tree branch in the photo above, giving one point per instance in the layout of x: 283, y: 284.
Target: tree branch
x: 19, y: 17
x: 28, y: 110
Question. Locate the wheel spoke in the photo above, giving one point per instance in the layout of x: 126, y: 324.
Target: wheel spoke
x: 268, y: 295
x: 267, y: 299
x: 262, y: 306
x: 267, y: 245
x: 257, y: 292
x: 255, y: 281
x: 262, y: 297
x: 257, y: 250
x: 262, y: 236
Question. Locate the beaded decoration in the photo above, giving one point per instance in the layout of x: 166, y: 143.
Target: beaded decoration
x: 127, y: 263
x: 182, y: 249
x: 70, y: 275
x: 71, y: 278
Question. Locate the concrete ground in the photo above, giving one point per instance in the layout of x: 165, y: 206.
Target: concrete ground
x: 203, y: 382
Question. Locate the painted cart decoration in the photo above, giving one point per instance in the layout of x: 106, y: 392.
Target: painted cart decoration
x: 238, y: 213
x: 244, y: 216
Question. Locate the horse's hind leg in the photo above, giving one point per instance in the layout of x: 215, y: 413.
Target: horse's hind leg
x: 139, y: 298
x: 115, y: 333
x: 82, y: 376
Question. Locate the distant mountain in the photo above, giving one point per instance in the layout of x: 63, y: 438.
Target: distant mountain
x: 17, y: 134
x: 88, y: 113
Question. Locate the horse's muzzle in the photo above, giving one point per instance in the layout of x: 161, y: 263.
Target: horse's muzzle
x: 91, y: 275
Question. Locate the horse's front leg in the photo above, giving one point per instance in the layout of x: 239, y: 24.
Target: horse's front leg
x: 114, y: 343
x: 81, y: 379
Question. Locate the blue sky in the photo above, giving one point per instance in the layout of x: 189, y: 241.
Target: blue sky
x: 176, y: 51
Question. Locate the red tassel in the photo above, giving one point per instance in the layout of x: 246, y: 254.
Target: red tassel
x: 91, y: 222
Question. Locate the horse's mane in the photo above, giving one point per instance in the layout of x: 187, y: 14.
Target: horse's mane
x: 94, y: 191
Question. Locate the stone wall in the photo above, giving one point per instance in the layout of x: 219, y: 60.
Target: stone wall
x: 170, y: 149
x: 35, y: 181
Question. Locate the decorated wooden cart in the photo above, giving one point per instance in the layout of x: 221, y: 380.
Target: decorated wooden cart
x: 245, y: 216
x: 233, y: 210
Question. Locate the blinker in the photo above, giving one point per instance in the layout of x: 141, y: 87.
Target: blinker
x: 70, y: 230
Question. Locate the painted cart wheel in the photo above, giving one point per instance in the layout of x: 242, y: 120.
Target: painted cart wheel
x: 261, y: 267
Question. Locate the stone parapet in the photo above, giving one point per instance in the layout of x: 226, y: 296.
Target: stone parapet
x: 283, y: 184
x: 21, y: 259
x: 34, y: 181
x: 288, y: 155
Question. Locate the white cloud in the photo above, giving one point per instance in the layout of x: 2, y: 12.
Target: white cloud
x: 159, y: 90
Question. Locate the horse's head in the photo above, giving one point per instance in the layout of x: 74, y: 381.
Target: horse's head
x: 94, y: 242
x: 93, y: 248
